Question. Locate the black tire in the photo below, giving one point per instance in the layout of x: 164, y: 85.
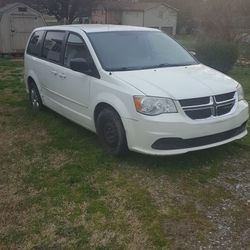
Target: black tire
x: 111, y: 132
x: 35, y: 98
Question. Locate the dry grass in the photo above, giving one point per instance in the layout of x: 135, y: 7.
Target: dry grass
x: 5, y: 75
x: 60, y: 191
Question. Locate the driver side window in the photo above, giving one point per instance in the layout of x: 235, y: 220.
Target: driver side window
x: 76, y: 49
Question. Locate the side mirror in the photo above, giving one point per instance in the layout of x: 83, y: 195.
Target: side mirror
x: 80, y: 65
x: 193, y: 53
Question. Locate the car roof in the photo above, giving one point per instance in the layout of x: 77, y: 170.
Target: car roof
x: 92, y: 28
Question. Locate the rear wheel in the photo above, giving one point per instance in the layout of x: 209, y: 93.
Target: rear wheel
x: 35, y: 98
x: 111, y: 132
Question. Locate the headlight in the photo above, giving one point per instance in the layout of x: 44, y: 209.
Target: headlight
x: 154, y: 105
x: 240, y: 93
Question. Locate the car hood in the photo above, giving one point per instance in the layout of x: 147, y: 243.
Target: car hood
x: 179, y: 82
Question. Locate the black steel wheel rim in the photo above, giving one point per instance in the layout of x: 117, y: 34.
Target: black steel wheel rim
x: 110, y: 134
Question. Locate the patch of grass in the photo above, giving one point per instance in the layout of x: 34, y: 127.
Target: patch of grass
x: 141, y: 203
x: 60, y: 190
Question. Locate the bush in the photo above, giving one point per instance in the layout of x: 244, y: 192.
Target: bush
x: 220, y: 55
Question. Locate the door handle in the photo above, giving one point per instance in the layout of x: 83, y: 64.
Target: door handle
x: 61, y: 75
x: 54, y: 72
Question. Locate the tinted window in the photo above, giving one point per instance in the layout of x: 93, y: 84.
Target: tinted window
x: 76, y: 48
x: 53, y: 44
x: 133, y: 50
x: 35, y: 43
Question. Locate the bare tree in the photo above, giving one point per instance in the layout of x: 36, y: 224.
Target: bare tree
x: 66, y: 11
x: 224, y: 19
x: 187, y: 14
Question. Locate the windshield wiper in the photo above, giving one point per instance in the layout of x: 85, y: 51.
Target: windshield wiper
x: 166, y: 65
x: 162, y: 65
x: 124, y: 69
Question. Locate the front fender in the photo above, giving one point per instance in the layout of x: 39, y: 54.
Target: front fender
x: 123, y: 105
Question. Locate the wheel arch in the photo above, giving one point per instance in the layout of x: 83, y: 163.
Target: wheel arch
x: 32, y: 79
x: 113, y: 102
x: 121, y: 147
x: 101, y: 106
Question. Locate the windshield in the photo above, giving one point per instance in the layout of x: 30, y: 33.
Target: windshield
x: 134, y: 50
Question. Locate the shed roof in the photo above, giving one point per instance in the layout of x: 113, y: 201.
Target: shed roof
x: 8, y: 7
x: 138, y: 6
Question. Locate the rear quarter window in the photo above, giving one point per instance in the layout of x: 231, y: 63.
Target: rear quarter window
x: 35, y: 43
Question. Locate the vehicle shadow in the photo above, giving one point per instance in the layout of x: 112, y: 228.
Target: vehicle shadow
x: 213, y: 157
x: 185, y: 162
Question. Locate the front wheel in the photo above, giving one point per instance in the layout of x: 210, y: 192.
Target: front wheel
x: 111, y: 132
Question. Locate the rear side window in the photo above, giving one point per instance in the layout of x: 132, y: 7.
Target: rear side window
x: 53, y: 45
x: 35, y: 43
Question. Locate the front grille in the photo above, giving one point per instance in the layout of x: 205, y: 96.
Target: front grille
x: 179, y: 143
x: 199, y: 113
x: 195, y: 101
x: 206, y: 107
x: 224, y: 97
x: 225, y: 109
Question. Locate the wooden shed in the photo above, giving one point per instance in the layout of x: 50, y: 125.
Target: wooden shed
x: 17, y: 21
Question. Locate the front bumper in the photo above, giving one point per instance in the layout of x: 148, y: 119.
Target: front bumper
x: 145, y: 133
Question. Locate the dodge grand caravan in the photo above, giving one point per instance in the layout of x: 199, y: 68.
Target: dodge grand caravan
x: 135, y: 87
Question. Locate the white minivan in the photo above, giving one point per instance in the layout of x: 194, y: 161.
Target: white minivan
x: 135, y: 87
